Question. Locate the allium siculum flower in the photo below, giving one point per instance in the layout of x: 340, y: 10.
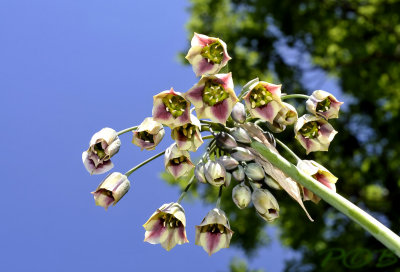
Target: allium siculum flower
x: 207, y: 55
x: 214, y: 231
x: 170, y: 108
x: 314, y: 133
x: 241, y: 195
x: 287, y: 115
x: 266, y: 205
x: 264, y: 100
x: 177, y: 162
x: 166, y: 226
x: 323, y: 104
x: 149, y: 134
x: 188, y: 137
x: 319, y: 173
x: 103, y: 145
x: 111, y: 190
x: 213, y: 97
x: 215, y: 173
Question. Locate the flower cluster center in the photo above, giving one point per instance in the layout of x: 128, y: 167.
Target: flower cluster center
x: 170, y: 221
x: 214, y: 93
x: 175, y: 104
x: 259, y: 96
x: 145, y: 136
x: 324, y: 105
x: 310, y: 129
x: 214, y: 52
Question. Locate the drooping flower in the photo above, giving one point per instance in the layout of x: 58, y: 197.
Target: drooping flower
x: 287, y: 115
x: 323, y: 104
x: 241, y: 195
x: 264, y: 100
x: 213, y: 97
x: 177, y: 162
x: 170, y: 108
x: 314, y: 133
x: 266, y: 205
x: 207, y: 55
x: 188, y: 137
x: 319, y: 173
x: 111, y: 190
x: 214, y: 231
x: 166, y: 226
x: 149, y: 134
x: 103, y: 145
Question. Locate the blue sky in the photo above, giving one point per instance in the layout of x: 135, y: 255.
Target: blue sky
x: 68, y: 69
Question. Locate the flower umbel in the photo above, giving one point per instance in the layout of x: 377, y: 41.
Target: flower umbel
x: 214, y: 231
x: 213, y: 97
x: 177, y: 162
x: 149, y: 134
x: 323, y: 104
x: 166, y: 226
x: 111, y: 190
x: 103, y: 145
x: 170, y: 108
x: 207, y: 54
x: 314, y: 133
x: 319, y: 173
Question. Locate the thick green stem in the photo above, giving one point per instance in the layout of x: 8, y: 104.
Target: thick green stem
x: 303, y: 96
x: 127, y: 130
x: 186, y: 189
x: 369, y: 223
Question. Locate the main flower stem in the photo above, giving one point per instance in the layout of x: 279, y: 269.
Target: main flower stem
x: 288, y: 150
x: 186, y: 189
x: 127, y: 130
x: 143, y: 163
x: 369, y: 223
x: 303, y: 96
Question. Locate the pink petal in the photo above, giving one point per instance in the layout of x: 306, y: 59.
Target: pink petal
x: 182, y: 235
x: 203, y: 67
x: 195, y: 96
x: 220, y: 111
x: 153, y: 236
x: 102, y: 199
x: 202, y: 40
x: 160, y: 113
x: 266, y: 112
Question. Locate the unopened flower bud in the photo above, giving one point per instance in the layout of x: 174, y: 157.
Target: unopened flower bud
x: 238, y: 174
x: 229, y: 163
x: 238, y: 113
x: 254, y: 171
x: 228, y: 179
x: 240, y: 135
x: 241, y: 195
x: 225, y: 141
x: 272, y: 183
x: 242, y: 154
x: 199, y: 173
x: 111, y: 190
x: 266, y: 205
x: 215, y: 173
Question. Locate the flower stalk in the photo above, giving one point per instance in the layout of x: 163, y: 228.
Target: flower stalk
x: 126, y: 130
x: 288, y: 96
x: 369, y: 223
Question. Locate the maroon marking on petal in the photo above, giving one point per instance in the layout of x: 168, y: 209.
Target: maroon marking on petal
x: 322, y: 179
x: 212, y: 241
x: 204, y: 66
x: 156, y: 232
x: 267, y: 112
x: 185, y: 117
x: 161, y: 113
x: 108, y: 200
x: 325, y: 130
x: 203, y: 39
x: 181, y: 233
x: 220, y: 111
x: 176, y: 169
x: 272, y: 88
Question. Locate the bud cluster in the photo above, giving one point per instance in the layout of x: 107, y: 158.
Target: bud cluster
x: 212, y: 105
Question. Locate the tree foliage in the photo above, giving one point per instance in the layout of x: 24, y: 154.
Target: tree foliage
x: 358, y: 43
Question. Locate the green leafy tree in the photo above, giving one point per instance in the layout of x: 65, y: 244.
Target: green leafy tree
x: 358, y: 43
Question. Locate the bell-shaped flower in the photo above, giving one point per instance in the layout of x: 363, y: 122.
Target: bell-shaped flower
x: 111, y: 190
x: 214, y: 231
x: 266, y: 205
x: 177, y: 162
x: 323, y: 104
x: 241, y: 195
x: 170, y: 108
x: 213, y: 97
x: 149, y: 134
x: 263, y: 100
x: 103, y: 145
x: 166, y: 226
x: 215, y: 173
x: 207, y: 55
x: 314, y: 133
x: 318, y: 172
x: 287, y: 115
x: 188, y: 137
